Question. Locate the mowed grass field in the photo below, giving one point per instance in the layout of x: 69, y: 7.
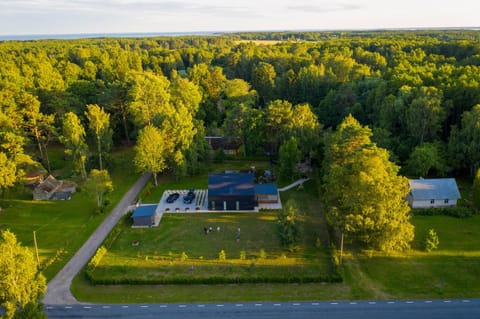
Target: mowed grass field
x: 61, y: 226
x: 159, y: 254
x: 452, y: 271
x: 180, y: 246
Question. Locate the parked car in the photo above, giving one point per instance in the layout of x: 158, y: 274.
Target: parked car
x: 172, y: 197
x: 188, y: 199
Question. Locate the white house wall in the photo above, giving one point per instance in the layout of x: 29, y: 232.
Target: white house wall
x: 437, y: 203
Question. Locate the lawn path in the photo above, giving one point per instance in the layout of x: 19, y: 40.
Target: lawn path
x: 58, y: 290
x: 297, y: 183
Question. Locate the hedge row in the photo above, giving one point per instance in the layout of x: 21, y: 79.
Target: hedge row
x: 458, y: 212
x: 332, y: 278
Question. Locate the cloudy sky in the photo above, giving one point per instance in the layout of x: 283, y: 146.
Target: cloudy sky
x: 131, y: 16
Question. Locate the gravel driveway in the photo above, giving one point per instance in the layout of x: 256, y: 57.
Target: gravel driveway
x: 58, y: 290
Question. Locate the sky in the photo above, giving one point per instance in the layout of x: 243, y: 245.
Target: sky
x: 18, y: 17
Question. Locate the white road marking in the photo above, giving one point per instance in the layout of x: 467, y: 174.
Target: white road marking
x: 144, y: 306
x: 220, y: 305
x: 239, y: 305
x: 428, y: 301
x: 258, y: 305
x: 276, y: 305
x: 106, y: 307
x: 163, y: 306
x: 391, y: 302
x: 200, y: 306
x: 353, y: 303
x: 296, y: 304
x: 334, y: 303
x: 447, y: 301
x: 68, y: 307
x: 87, y: 307
x: 372, y: 303
x: 410, y: 302
x: 182, y: 306
x: 124, y: 306
x: 315, y: 303
x: 465, y: 301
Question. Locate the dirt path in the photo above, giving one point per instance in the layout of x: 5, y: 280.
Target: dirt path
x: 58, y: 290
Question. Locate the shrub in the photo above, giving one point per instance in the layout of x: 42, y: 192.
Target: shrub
x: 458, y: 212
x: 222, y: 255
x: 262, y: 254
x: 288, y: 227
x: 101, y: 251
x: 243, y: 255
x: 431, y: 240
x: 184, y: 256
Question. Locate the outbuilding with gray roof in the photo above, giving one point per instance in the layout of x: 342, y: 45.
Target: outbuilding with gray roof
x: 431, y: 193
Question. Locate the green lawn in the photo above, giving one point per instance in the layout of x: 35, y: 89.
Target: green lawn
x: 452, y: 271
x: 61, y: 226
x: 159, y: 254
x: 160, y: 249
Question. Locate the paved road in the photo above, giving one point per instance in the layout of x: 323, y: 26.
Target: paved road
x: 438, y: 309
x: 58, y: 290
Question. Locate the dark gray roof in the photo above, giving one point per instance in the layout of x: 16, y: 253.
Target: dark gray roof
x: 231, y: 184
x: 438, y: 188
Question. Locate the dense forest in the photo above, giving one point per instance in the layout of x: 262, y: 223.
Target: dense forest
x: 418, y: 91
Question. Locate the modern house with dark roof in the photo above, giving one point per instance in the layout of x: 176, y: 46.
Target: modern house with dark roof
x: 232, y: 191
x: 428, y: 193
x: 266, y: 193
x: 144, y: 216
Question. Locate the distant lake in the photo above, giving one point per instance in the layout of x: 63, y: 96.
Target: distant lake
x: 26, y: 37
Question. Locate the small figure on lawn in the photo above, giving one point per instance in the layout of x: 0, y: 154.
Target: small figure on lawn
x: 238, y: 234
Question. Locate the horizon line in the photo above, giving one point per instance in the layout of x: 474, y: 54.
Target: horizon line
x: 58, y: 36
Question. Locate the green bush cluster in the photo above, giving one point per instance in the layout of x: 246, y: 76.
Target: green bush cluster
x: 101, y: 251
x: 458, y: 212
x: 214, y: 280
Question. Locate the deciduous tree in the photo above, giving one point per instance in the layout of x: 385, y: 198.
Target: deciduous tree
x: 21, y: 284
x: 39, y: 125
x: 464, y: 142
x: 8, y: 172
x: 99, y: 183
x: 288, y: 225
x: 364, y: 194
x: 289, y: 157
x: 73, y: 137
x: 99, y: 124
x: 426, y: 158
x: 149, y: 98
x: 152, y: 150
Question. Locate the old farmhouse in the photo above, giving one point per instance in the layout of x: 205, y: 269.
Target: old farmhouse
x: 54, y: 189
x: 428, y: 193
